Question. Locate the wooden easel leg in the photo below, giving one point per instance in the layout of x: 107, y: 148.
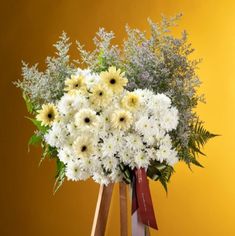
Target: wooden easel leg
x: 147, y: 231
x: 102, y: 210
x: 123, y: 209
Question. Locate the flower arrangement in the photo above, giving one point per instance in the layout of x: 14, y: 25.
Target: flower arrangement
x: 128, y: 109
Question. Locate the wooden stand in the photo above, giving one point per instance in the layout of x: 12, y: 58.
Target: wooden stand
x: 102, y: 210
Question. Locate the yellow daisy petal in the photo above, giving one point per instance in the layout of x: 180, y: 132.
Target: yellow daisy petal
x: 48, y: 114
x: 114, y: 79
x: 131, y: 101
x: 121, y: 119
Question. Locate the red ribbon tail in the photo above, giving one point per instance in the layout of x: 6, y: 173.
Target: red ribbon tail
x: 141, y: 199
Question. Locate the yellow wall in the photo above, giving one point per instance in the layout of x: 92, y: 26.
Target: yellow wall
x: 201, y: 202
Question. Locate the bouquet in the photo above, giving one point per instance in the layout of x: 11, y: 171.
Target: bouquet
x: 122, y: 113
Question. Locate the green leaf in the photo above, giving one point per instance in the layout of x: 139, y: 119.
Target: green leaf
x: 160, y: 171
x: 29, y: 104
x: 200, y: 136
x: 34, y: 139
x: 197, y: 163
x: 164, y: 184
x: 188, y: 158
x: 38, y: 124
x: 60, y: 175
x: 126, y: 173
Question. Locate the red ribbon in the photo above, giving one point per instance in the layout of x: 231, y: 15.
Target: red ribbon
x: 141, y: 199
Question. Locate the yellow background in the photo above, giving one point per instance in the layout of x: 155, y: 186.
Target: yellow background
x: 201, y: 202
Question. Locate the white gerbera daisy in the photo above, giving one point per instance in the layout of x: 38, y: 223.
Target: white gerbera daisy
x: 83, y: 147
x: 121, y: 119
x: 74, y: 84
x: 100, y: 95
x: 86, y: 118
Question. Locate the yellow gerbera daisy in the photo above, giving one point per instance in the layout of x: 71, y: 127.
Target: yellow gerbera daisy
x: 121, y: 119
x: 74, y: 84
x: 114, y: 79
x: 48, y: 114
x: 100, y: 95
x: 83, y: 147
x: 131, y: 101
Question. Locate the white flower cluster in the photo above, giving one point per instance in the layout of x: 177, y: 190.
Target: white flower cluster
x: 99, y: 128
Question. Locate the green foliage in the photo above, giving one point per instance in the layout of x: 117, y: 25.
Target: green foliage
x: 60, y: 175
x: 160, y: 171
x: 29, y: 105
x: 199, y: 136
x: 45, y: 87
x: 34, y: 140
x: 127, y: 173
x: 160, y: 62
x: 38, y: 124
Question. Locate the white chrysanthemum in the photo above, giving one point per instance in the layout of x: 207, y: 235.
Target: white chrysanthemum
x: 166, y: 153
x: 141, y: 160
x: 101, y: 178
x: 161, y: 100
x: 159, y: 134
x: 73, y: 129
x: 74, y: 172
x: 89, y: 164
x: 109, y: 146
x: 109, y: 163
x: 145, y: 126
x: 86, y: 119
x: 116, y: 175
x: 166, y: 140
x: 134, y: 141
x: 149, y: 140
x: 127, y: 156
x: 173, y: 158
x: 56, y: 136
x: 169, y: 121
x: 145, y: 95
x: 66, y: 155
x: 65, y: 105
x: 80, y: 102
x: 90, y: 78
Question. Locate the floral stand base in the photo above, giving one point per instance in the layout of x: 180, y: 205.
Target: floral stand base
x: 102, y: 210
